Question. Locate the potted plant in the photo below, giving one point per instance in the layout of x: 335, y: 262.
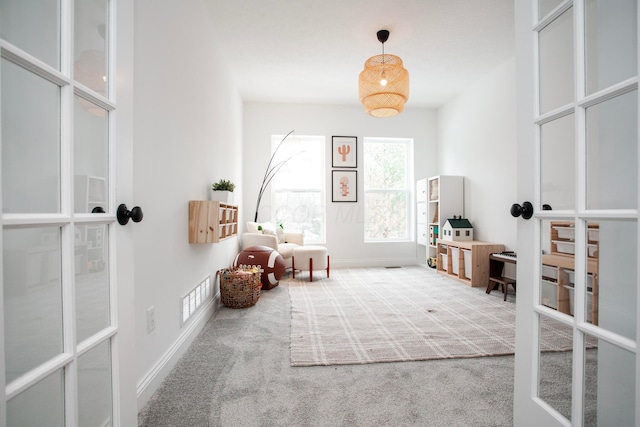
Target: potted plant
x: 223, y: 191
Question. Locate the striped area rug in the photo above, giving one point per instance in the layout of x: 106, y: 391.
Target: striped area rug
x: 371, y: 315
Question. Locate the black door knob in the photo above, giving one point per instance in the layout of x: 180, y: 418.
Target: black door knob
x: 526, y: 210
x: 123, y: 214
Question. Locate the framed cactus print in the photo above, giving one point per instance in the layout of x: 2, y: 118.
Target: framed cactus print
x: 344, y: 151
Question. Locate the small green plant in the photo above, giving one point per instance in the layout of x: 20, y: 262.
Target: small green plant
x: 223, y: 185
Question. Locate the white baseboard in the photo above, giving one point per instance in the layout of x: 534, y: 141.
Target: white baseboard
x: 373, y: 262
x: 154, y: 377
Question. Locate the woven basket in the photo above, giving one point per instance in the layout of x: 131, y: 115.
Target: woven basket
x: 240, y: 287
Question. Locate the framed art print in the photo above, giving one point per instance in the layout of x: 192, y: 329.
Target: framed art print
x: 344, y: 151
x: 344, y: 186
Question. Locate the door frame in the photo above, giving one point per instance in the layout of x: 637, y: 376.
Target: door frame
x: 123, y: 375
x: 524, y: 378
x: 528, y: 408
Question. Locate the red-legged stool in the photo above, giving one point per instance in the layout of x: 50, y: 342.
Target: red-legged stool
x: 310, y: 258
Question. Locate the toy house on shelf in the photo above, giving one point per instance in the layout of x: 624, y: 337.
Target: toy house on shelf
x: 457, y: 229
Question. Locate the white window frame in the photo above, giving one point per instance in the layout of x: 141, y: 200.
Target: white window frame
x: 287, y: 153
x: 408, y: 190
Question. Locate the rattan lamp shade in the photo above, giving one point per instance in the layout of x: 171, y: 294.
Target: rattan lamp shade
x: 379, y: 100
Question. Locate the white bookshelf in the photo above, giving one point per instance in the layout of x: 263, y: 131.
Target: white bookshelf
x: 421, y: 212
x: 445, y: 198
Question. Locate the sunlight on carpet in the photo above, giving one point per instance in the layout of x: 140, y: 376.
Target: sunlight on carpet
x: 371, y: 315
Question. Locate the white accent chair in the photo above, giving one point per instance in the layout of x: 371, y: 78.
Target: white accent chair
x: 274, y: 237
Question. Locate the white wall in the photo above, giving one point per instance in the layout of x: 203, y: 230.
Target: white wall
x: 477, y: 139
x: 188, y: 134
x: 345, y: 227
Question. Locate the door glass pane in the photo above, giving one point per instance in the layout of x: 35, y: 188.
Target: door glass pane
x: 557, y: 243
x: 33, y: 26
x: 40, y: 405
x: 95, y: 400
x: 568, y: 277
x: 32, y: 298
x: 611, y: 42
x: 558, y: 268
x: 91, y: 151
x: 30, y: 142
x: 92, y: 280
x: 556, y: 367
x: 557, y: 163
x: 90, y: 44
x: 546, y: 6
x: 556, y: 63
x: 612, y: 153
x: 610, y: 374
x: 548, y: 271
x: 614, y: 287
x: 590, y: 402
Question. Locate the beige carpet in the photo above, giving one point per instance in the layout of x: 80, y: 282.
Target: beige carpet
x: 372, y: 315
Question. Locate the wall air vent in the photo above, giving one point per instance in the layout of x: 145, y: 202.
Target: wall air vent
x: 192, y: 301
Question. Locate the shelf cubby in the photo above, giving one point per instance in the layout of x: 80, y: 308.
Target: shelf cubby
x: 212, y: 221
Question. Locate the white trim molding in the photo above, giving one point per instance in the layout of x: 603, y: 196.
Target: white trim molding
x: 158, y: 372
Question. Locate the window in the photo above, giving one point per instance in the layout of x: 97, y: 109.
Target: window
x: 388, y: 189
x: 298, y: 188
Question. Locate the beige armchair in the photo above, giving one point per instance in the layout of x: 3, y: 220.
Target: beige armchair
x: 274, y: 237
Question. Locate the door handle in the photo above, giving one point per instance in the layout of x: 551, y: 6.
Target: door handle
x: 526, y: 210
x: 123, y: 214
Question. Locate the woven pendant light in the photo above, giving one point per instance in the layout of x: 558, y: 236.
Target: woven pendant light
x: 383, y: 85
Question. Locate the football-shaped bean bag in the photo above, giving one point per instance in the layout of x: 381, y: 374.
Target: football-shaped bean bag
x: 268, y: 259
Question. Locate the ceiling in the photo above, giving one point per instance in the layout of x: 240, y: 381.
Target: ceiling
x: 312, y: 51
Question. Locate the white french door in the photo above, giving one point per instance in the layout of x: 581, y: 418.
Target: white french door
x: 578, y: 256
x: 62, y: 358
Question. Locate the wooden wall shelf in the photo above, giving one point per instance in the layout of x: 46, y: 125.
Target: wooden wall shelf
x: 212, y: 221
